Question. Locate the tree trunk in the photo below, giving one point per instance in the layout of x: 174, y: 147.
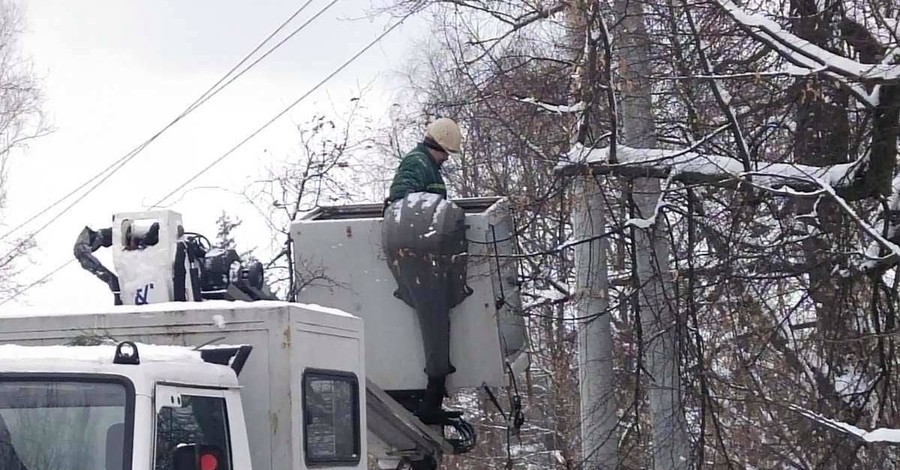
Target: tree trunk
x: 671, y: 446
x: 599, y: 436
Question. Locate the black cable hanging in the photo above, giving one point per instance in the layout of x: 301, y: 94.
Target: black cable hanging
x: 501, y: 300
x: 515, y: 419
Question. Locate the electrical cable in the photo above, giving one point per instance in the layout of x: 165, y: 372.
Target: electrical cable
x: 213, y: 90
x: 47, y: 276
x: 118, y: 164
x: 281, y: 113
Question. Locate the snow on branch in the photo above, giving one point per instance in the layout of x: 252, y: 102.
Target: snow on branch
x: 693, y: 167
x: 554, y: 108
x: 840, y: 182
x: 548, y: 297
x: 879, y: 243
x: 875, y: 252
x: 541, y: 13
x: 646, y: 223
x: 885, y: 435
x: 805, y: 54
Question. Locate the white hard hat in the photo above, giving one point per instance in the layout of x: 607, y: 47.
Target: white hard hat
x: 446, y: 133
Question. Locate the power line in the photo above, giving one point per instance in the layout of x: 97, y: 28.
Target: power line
x: 116, y: 166
x: 282, y: 112
x: 236, y: 147
x: 197, y: 104
x: 213, y: 90
x: 47, y: 276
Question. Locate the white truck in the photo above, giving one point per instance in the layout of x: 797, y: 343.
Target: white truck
x: 143, y: 402
x: 235, y: 385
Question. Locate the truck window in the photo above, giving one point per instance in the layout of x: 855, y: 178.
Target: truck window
x: 331, y: 434
x: 201, y: 422
x: 58, y: 423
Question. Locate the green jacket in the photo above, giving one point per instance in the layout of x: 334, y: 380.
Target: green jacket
x: 417, y: 173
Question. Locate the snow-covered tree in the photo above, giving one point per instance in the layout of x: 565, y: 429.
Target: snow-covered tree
x: 746, y: 155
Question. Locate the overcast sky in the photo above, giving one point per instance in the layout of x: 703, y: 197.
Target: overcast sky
x: 114, y: 72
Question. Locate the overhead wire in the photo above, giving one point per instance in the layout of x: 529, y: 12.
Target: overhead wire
x: 284, y: 111
x: 114, y: 167
x: 212, y: 91
x: 268, y: 123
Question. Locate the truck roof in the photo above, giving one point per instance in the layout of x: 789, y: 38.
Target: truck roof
x: 166, y: 363
x: 173, y: 306
x: 101, y: 354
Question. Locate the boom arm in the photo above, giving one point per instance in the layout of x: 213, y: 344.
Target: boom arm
x: 157, y: 261
x: 87, y: 243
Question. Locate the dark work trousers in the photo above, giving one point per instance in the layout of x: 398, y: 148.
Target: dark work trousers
x: 426, y: 282
x: 423, y: 238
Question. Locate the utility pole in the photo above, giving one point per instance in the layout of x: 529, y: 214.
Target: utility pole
x: 599, y: 436
x: 671, y: 446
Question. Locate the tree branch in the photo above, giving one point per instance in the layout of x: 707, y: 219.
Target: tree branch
x: 696, y: 168
x: 805, y: 54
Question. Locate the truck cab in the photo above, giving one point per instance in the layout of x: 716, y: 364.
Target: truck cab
x: 116, y: 407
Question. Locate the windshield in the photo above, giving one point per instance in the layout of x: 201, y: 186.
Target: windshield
x: 57, y: 425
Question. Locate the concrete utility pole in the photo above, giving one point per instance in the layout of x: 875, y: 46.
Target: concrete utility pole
x: 599, y: 436
x: 599, y: 433
x: 671, y: 446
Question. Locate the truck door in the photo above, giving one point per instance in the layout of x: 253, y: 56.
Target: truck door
x: 199, y: 429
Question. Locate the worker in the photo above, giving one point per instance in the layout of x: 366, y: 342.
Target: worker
x: 423, y: 236
x: 420, y: 169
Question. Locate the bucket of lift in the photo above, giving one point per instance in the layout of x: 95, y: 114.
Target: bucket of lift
x: 340, y: 260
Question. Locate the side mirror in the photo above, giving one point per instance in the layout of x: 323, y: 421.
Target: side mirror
x: 198, y: 457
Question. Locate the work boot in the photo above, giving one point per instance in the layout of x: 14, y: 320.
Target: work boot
x: 430, y: 411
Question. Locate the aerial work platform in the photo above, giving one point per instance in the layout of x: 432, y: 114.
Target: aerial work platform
x: 341, y: 263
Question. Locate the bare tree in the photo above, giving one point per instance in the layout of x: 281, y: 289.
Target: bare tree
x: 747, y: 157
x: 325, y: 169
x: 21, y: 120
x: 225, y: 225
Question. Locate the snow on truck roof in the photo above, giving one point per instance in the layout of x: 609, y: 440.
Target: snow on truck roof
x: 175, y: 307
x: 102, y: 354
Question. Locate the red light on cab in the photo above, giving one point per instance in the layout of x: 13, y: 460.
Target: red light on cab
x: 209, y: 462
